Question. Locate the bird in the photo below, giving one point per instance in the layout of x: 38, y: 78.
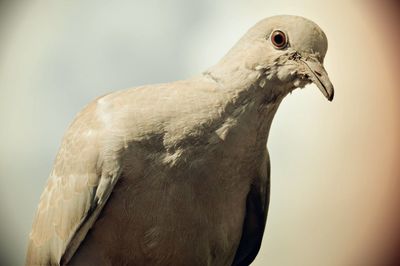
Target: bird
x: 178, y: 173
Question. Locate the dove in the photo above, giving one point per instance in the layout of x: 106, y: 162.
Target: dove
x: 177, y: 173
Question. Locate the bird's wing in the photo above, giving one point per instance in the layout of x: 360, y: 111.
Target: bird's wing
x: 76, y: 191
x: 255, y: 216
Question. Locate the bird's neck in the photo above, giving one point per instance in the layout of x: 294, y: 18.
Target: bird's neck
x: 251, y: 104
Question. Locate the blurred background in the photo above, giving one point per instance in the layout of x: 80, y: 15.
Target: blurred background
x: 335, y: 166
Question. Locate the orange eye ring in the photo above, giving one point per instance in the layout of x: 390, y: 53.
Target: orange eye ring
x: 279, y: 39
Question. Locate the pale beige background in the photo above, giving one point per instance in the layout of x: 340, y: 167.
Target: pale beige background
x: 334, y: 165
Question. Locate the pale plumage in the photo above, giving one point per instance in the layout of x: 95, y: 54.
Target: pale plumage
x: 176, y: 173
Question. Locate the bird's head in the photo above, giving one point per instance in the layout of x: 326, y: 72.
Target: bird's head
x: 289, y: 51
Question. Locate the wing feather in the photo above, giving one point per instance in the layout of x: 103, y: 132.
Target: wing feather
x: 76, y: 191
x: 255, y: 217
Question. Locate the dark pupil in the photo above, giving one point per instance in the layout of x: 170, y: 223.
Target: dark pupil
x: 278, y: 39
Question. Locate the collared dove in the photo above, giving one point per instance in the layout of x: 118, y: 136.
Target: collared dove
x: 177, y: 173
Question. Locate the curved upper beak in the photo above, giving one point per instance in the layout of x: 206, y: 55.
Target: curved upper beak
x: 317, y: 73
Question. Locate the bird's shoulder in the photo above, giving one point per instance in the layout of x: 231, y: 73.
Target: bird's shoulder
x: 164, y: 98
x: 178, y: 109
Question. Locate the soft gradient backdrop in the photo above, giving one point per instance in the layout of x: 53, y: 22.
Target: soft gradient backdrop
x: 335, y: 166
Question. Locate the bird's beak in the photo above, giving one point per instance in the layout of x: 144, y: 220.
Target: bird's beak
x: 317, y: 74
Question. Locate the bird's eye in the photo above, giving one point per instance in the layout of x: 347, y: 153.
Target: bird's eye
x: 279, y: 39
